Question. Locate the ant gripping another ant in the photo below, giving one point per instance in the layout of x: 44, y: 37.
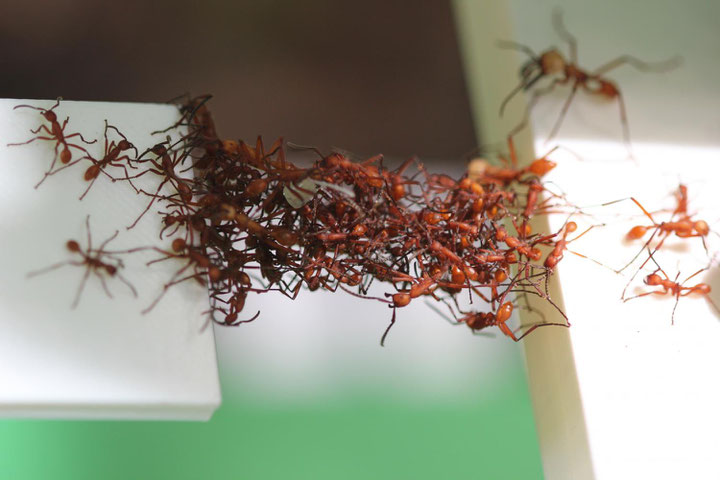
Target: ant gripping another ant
x: 56, y: 133
x: 95, y: 260
x: 552, y: 63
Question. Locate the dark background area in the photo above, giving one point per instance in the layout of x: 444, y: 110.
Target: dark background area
x: 368, y: 77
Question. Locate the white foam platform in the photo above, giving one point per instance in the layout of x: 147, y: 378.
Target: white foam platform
x: 623, y: 393
x: 103, y: 359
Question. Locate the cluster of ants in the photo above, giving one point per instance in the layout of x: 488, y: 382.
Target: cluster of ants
x: 250, y: 221
x: 551, y: 65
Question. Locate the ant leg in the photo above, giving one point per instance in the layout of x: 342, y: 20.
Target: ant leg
x: 238, y: 322
x: 102, y: 247
x: 81, y: 137
x: 510, y: 45
x: 387, y: 330
x: 564, y: 34
x: 444, y: 316
x: 103, y: 283
x: 81, y: 288
x: 51, y: 268
x: 663, y: 66
x: 30, y: 141
x: 625, y: 125
x: 672, y: 317
x: 124, y: 280
x: 88, y: 189
x: 523, y: 85
x: 533, y: 100
x: 536, y: 326
x: 149, y: 204
x: 563, y: 112
x: 42, y: 127
x: 87, y: 230
x: 644, y: 294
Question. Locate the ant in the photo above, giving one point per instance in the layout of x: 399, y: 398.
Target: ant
x: 92, y: 260
x: 166, y: 169
x: 684, y: 227
x: 552, y: 63
x: 56, y: 133
x: 673, y: 287
x: 478, y: 321
x: 111, y: 157
x: 196, y: 258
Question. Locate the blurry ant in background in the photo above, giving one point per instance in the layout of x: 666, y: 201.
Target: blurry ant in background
x: 552, y: 63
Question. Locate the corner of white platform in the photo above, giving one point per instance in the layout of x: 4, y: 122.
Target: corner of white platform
x: 103, y: 359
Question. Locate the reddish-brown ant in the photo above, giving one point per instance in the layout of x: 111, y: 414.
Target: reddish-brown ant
x: 56, y: 133
x: 553, y: 63
x: 196, y: 258
x: 673, y: 287
x: 166, y: 169
x: 684, y: 227
x: 94, y: 261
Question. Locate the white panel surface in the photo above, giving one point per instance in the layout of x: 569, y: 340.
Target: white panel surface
x: 103, y: 359
x: 623, y: 393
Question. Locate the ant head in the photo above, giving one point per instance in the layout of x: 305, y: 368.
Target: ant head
x: 552, y: 62
x: 214, y: 273
x: 73, y: 246
x: 50, y: 116
x: 125, y: 145
x: 571, y: 227
x: 701, y: 227
x: 179, y: 245
x: 231, y: 147
x: 653, y: 279
x: 110, y: 269
x: 160, y: 149
x: 227, y: 211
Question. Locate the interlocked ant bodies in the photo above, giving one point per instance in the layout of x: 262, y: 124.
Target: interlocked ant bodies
x: 95, y: 261
x: 56, y: 134
x: 166, y: 169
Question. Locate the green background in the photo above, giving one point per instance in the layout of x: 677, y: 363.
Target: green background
x: 350, y: 437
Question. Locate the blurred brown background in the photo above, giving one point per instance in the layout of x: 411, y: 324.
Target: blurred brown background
x: 368, y: 76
